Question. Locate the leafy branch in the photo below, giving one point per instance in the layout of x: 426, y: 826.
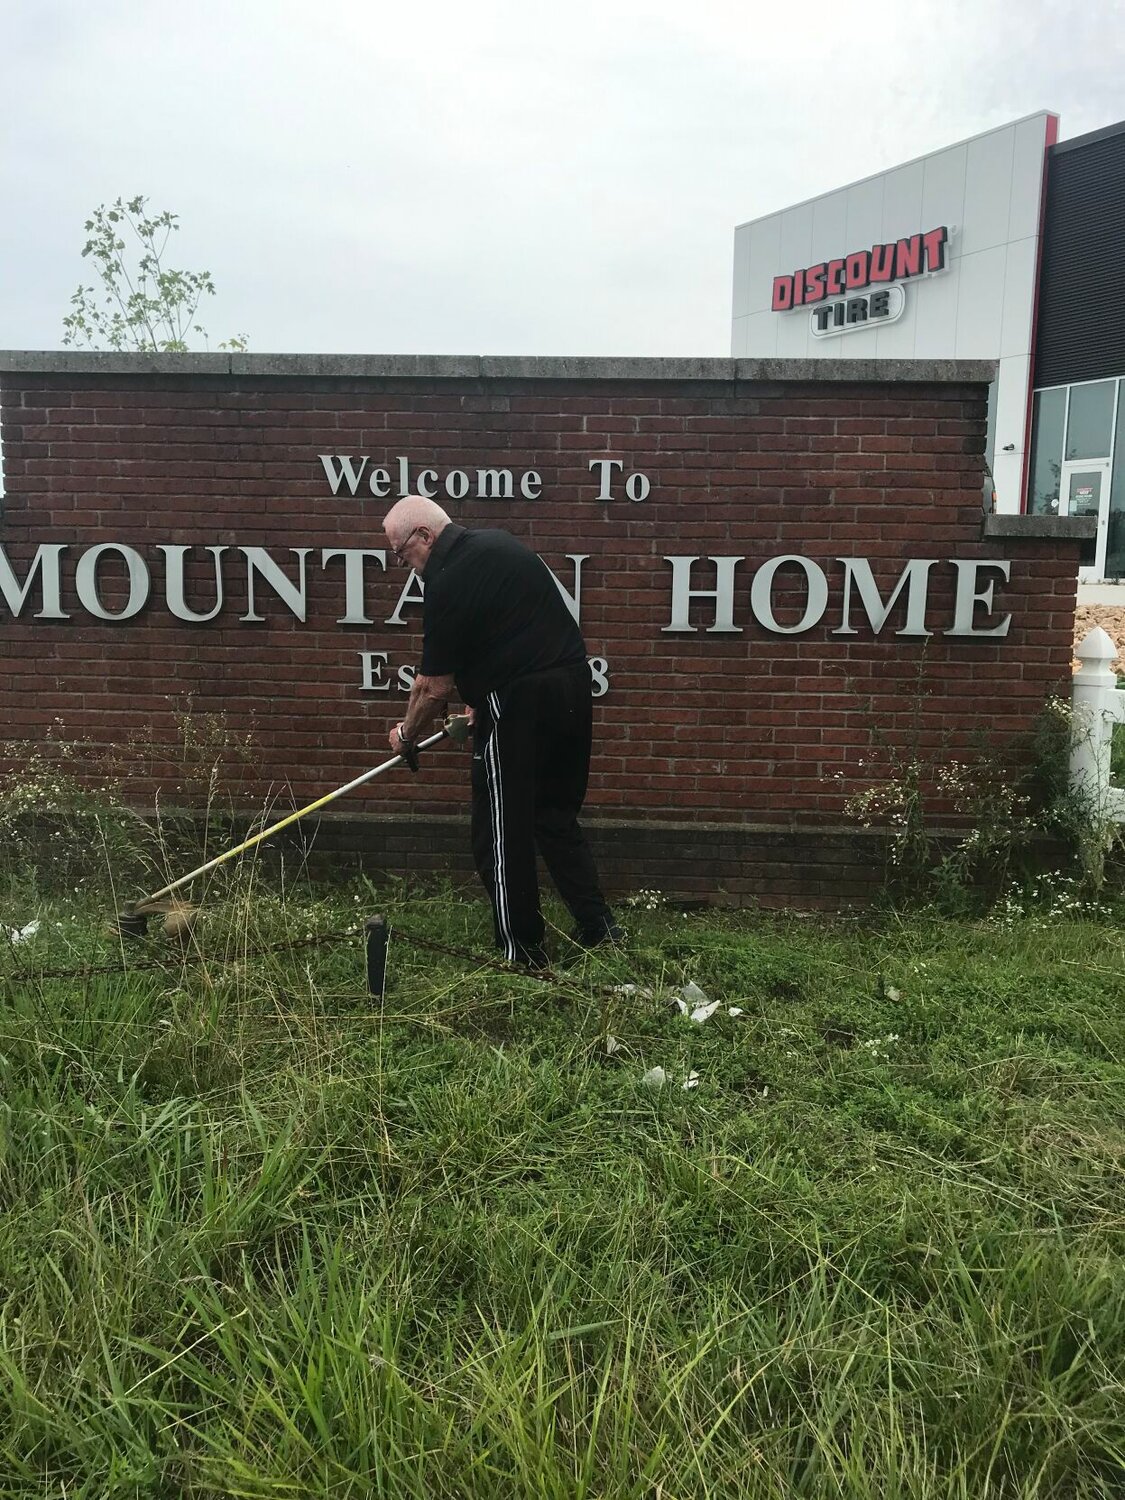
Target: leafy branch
x: 142, y: 303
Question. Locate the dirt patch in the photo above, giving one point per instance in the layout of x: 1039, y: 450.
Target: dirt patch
x: 1111, y: 617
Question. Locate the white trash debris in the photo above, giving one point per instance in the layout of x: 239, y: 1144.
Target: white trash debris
x: 612, y: 1045
x: 892, y: 994
x: 21, y: 934
x: 632, y: 989
x: 735, y: 1010
x: 656, y: 1078
x: 702, y: 1012
x: 695, y: 1003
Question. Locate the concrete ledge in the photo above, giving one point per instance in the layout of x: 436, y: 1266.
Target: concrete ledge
x: 869, y: 371
x: 359, y: 366
x: 106, y: 362
x: 488, y: 368
x: 1041, y: 528
x: 536, y: 367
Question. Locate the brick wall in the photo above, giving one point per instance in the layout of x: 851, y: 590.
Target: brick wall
x: 751, y: 730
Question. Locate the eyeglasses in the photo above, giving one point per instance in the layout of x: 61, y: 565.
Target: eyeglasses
x: 397, y: 552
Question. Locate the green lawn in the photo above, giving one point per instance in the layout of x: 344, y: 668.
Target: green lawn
x: 262, y: 1237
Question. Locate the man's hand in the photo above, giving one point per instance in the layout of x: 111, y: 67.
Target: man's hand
x: 404, y: 747
x: 427, y: 697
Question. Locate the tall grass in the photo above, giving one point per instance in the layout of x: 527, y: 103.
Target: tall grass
x: 262, y: 1235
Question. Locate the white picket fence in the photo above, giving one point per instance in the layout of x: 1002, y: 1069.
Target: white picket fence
x: 1098, y: 704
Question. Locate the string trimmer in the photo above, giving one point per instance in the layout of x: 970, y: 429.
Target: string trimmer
x: 178, y: 915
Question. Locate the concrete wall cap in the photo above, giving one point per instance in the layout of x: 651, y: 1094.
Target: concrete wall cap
x: 1041, y: 528
x: 489, y: 367
x: 109, y: 362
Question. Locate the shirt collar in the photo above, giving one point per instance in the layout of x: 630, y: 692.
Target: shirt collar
x: 448, y: 538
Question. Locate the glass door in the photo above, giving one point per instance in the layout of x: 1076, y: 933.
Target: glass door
x: 1085, y: 492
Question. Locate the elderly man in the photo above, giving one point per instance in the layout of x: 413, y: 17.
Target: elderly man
x: 496, y: 626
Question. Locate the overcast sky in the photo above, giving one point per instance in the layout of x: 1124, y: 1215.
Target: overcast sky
x: 490, y: 178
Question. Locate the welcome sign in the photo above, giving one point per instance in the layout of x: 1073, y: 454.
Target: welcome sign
x: 771, y: 563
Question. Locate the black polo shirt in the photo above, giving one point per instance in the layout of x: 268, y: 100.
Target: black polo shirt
x: 492, y: 612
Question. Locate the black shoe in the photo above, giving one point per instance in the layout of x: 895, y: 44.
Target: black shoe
x: 592, y: 937
x: 533, y: 959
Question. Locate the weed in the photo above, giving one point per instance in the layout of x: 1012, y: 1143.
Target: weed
x: 961, y: 831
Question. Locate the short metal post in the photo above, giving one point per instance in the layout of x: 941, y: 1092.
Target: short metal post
x: 378, y: 936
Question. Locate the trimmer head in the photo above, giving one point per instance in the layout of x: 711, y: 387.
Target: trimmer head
x: 178, y: 919
x: 130, y: 924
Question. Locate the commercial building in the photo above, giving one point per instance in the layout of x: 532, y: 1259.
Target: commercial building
x: 1005, y: 247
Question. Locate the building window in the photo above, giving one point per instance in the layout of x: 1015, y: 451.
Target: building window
x: 1089, y: 428
x: 1048, y: 416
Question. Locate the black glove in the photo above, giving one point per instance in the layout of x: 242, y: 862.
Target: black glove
x: 408, y: 751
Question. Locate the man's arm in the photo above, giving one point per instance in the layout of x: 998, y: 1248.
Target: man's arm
x: 428, y: 695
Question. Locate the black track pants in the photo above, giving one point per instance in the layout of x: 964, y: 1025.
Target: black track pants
x: 531, y: 762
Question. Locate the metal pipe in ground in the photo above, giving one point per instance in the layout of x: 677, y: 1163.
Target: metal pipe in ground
x: 378, y: 936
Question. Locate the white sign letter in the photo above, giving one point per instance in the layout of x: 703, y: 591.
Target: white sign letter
x: 605, y: 467
x: 371, y: 667
x: 968, y: 597
x: 86, y: 581
x: 46, y: 558
x: 353, y: 579
x: 573, y: 601
x: 174, y: 584
x: 345, y: 471
x: 412, y: 593
x: 761, y: 594
x: 494, y: 484
x: 917, y: 571
x: 723, y: 594
x: 292, y: 595
x: 599, y: 676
